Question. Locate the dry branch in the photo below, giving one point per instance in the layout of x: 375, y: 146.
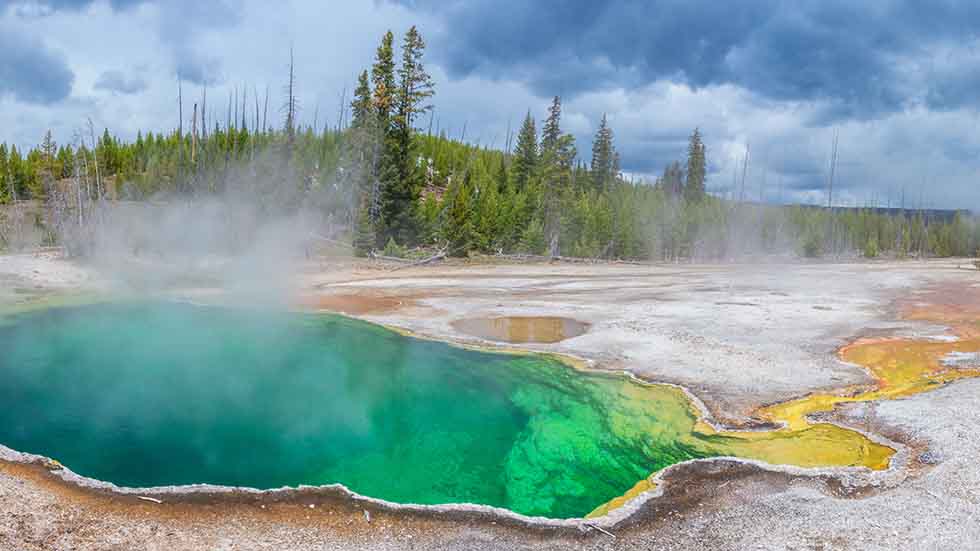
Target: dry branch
x: 601, y: 529
x: 436, y: 257
x: 569, y: 259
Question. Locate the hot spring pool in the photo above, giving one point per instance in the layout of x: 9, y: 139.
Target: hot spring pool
x: 160, y: 394
x: 155, y: 394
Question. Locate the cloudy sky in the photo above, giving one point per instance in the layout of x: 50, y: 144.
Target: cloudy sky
x: 899, y: 81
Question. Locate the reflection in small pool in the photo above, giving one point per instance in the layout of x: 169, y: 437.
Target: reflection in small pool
x: 522, y: 329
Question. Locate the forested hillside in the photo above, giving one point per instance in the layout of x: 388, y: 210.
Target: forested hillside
x: 387, y: 181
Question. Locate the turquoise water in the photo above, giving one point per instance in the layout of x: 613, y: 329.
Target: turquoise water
x: 153, y: 394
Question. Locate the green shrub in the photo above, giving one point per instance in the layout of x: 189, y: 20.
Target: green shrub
x: 811, y: 246
x: 393, y: 249
x: 871, y: 247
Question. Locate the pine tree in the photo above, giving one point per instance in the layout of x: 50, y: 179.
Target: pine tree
x: 364, y: 236
x: 383, y: 102
x: 557, y: 155
x: 533, y: 239
x: 488, y: 212
x: 525, y: 154
x: 428, y: 219
x: 694, y: 190
x: 383, y: 79
x: 360, y: 156
x: 552, y: 126
x: 49, y: 151
x: 16, y: 179
x: 361, y: 107
x: 4, y: 175
x: 415, y: 84
x: 672, y: 181
x: 604, y: 158
x: 460, y: 229
x: 400, y: 182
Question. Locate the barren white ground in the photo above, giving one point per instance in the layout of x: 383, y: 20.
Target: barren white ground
x: 737, y: 336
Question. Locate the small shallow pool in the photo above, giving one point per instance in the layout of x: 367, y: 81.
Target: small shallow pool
x: 522, y: 329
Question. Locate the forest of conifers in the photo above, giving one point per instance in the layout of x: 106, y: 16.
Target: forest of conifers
x: 386, y: 181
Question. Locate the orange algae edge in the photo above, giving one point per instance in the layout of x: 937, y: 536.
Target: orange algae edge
x: 901, y: 367
x: 641, y: 487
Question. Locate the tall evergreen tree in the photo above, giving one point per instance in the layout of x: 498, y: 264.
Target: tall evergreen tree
x: 4, y: 175
x: 383, y: 102
x: 400, y: 182
x: 604, y: 159
x: 551, y: 132
x: 694, y: 190
x: 66, y: 162
x: 557, y: 155
x: 16, y: 182
x: 383, y: 79
x: 525, y: 154
x: 672, y: 181
x: 415, y: 85
x: 364, y: 235
x: 49, y: 151
x: 460, y: 226
x: 361, y: 142
x: 361, y: 107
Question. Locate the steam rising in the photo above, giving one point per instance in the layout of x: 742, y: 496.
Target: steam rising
x: 247, y: 238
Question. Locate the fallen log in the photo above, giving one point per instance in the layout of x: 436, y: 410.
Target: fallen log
x: 438, y: 256
x: 568, y: 259
x: 378, y: 256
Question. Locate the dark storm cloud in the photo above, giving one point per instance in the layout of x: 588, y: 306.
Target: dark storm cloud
x: 30, y: 71
x: 648, y: 154
x: 862, y: 58
x: 116, y: 81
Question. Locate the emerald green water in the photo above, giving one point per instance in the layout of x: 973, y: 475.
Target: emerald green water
x: 153, y: 394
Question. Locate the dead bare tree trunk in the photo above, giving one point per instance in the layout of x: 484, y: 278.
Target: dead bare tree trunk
x: 290, y: 107
x: 95, y: 159
x: 831, y: 238
x: 265, y: 111
x: 343, y: 109
x: 204, y: 114
x: 194, y: 137
x: 255, y: 93
x: 180, y: 133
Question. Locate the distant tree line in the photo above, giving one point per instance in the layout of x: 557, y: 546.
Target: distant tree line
x: 388, y: 183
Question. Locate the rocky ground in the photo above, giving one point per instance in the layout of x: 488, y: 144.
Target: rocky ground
x: 737, y: 335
